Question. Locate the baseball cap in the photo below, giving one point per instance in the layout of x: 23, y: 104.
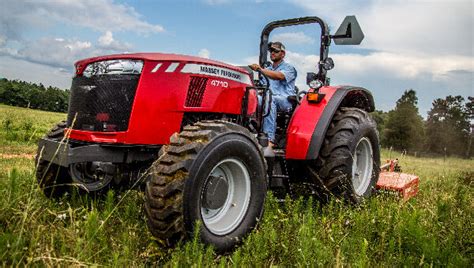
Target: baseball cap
x: 276, y: 45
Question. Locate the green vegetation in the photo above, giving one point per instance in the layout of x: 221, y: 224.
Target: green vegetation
x: 435, y: 228
x: 21, y: 128
x: 404, y: 126
x: 454, y: 118
x: 447, y: 130
x: 30, y: 95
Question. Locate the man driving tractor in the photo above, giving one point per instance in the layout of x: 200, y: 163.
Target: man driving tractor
x: 282, y: 77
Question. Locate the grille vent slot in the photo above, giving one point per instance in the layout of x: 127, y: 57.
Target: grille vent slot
x: 196, y: 89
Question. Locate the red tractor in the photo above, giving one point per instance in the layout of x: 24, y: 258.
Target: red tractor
x: 192, y: 128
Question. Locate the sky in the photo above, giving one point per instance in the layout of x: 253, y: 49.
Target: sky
x: 425, y: 45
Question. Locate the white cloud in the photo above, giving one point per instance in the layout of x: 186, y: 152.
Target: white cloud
x: 100, y: 15
x: 62, y: 53
x: 406, y: 67
x: 106, y: 39
x: 76, y: 45
x: 295, y: 38
x: 21, y: 16
x: 421, y: 27
x: 57, y: 52
x: 331, y: 11
x: 402, y: 26
x: 419, y: 44
x: 204, y: 53
x: 107, y: 42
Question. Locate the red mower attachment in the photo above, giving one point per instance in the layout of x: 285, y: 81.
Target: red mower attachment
x: 391, y: 179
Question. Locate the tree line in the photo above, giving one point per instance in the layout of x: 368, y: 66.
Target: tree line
x: 448, y: 129
x: 30, y: 95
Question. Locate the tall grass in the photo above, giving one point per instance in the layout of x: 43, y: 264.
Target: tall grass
x: 21, y: 128
x: 434, y: 228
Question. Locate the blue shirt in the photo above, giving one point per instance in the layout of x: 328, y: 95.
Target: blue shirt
x: 285, y: 87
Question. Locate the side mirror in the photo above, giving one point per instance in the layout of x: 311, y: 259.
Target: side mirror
x: 349, y: 33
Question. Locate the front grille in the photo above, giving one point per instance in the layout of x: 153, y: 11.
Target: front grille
x: 196, y: 89
x: 101, y: 103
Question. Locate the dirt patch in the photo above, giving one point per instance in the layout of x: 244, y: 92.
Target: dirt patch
x: 10, y: 156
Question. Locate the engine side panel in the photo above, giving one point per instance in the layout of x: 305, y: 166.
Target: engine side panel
x: 168, y: 89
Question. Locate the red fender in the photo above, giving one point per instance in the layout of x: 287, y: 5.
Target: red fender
x: 310, y: 121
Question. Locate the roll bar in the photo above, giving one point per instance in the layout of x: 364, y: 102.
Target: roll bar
x: 349, y: 33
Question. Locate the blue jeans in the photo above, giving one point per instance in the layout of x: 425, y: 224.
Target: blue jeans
x: 279, y: 103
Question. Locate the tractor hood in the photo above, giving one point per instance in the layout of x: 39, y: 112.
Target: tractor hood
x: 82, y: 64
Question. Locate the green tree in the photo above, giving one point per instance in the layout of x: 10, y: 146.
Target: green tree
x: 470, y: 112
x: 24, y: 94
x: 15, y: 94
x: 380, y: 118
x: 448, y: 126
x: 404, y: 126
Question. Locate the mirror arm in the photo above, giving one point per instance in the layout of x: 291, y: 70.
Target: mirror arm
x: 347, y: 35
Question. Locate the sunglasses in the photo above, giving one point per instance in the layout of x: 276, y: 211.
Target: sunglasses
x: 275, y: 51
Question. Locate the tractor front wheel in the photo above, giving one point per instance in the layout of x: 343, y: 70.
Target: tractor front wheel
x: 214, y: 173
x: 53, y: 179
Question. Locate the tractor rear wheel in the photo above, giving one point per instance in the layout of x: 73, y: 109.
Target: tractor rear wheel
x: 349, y: 160
x: 214, y: 173
x: 53, y: 179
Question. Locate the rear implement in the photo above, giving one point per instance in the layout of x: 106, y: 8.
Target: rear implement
x: 392, y: 180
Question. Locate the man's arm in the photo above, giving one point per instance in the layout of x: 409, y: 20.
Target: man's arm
x: 275, y: 75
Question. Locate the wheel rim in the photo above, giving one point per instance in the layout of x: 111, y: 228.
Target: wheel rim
x: 225, y: 196
x: 84, y: 174
x: 362, y: 166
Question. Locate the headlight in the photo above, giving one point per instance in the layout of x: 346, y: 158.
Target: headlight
x: 113, y: 67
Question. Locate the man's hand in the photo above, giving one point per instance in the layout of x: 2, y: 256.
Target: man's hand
x: 276, y: 75
x: 255, y: 67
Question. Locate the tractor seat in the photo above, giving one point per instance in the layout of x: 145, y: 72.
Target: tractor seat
x: 283, y: 119
x: 293, y: 99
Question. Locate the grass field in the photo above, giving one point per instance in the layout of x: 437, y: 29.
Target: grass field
x: 435, y: 228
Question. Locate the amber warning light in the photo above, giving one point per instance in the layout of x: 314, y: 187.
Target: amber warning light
x: 315, y: 97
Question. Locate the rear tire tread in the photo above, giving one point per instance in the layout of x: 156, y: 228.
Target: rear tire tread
x: 333, y: 158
